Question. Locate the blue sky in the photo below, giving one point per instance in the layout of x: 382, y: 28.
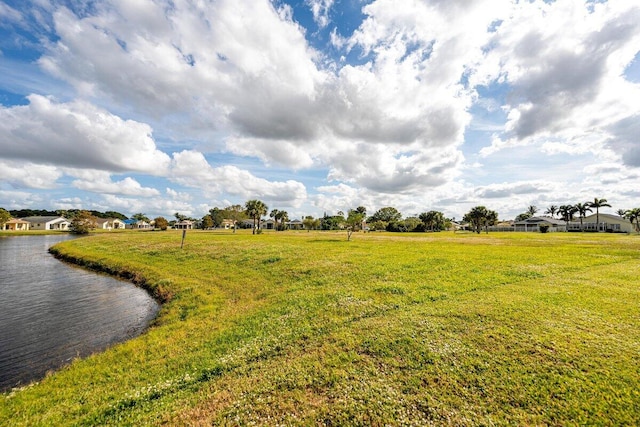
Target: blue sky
x: 318, y: 106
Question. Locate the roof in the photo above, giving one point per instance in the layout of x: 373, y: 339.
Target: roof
x: 17, y: 221
x: 39, y: 219
x: 540, y: 220
x: 606, y: 217
x: 103, y: 220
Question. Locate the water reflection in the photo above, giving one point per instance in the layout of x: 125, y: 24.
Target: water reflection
x: 51, y: 313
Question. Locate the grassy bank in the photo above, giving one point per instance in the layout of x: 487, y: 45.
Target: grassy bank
x: 309, y: 329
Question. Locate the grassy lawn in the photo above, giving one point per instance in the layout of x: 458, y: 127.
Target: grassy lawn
x: 387, y: 329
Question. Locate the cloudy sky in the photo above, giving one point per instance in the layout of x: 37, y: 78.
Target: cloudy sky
x: 313, y: 106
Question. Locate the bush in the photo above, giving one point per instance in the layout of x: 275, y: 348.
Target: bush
x: 544, y: 228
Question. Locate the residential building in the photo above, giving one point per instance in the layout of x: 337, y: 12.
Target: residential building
x: 110, y: 223
x: 533, y: 224
x: 185, y: 224
x: 608, y: 223
x: 16, y: 224
x: 47, y: 223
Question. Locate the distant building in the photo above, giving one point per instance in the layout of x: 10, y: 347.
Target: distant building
x: 185, y: 224
x: 110, y: 223
x: 16, y: 224
x: 135, y: 224
x: 47, y: 223
x: 608, y: 223
x: 533, y: 224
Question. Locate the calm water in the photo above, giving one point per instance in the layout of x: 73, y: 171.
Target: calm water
x: 51, y: 313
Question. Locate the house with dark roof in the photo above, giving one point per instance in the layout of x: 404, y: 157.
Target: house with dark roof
x: 533, y: 224
x: 47, y: 223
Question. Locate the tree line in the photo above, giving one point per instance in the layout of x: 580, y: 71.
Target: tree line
x: 384, y: 219
x: 568, y: 212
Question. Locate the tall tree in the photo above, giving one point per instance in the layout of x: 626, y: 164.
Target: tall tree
x: 531, y: 210
x: 256, y: 209
x: 552, y: 210
x: 598, y: 203
x: 83, y: 222
x: 566, y: 212
x: 633, y: 215
x: 581, y: 210
x: 217, y: 216
x: 283, y: 217
x: 140, y: 217
x: 235, y: 213
x: 310, y: 223
x: 354, y: 222
x: 161, y: 223
x: 274, y: 215
x: 207, y: 222
x: 480, y: 216
x: 387, y: 214
x: 4, y: 217
x: 432, y: 220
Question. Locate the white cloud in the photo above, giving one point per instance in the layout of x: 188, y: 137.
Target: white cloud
x: 77, y: 134
x: 101, y: 182
x: 190, y: 168
x: 29, y: 175
x: 564, y: 63
x: 12, y: 199
x: 253, y: 75
x: 388, y: 128
x: 320, y: 10
x: 153, y: 207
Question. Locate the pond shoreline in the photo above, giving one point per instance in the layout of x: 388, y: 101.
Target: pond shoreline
x: 43, y: 310
x: 159, y: 293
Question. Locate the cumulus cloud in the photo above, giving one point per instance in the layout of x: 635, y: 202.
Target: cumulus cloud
x: 77, y: 134
x: 152, y: 207
x: 624, y: 139
x: 191, y: 169
x: 245, y: 67
x: 29, y: 175
x: 385, y: 118
x: 564, y: 63
x: 497, y: 191
x: 101, y: 182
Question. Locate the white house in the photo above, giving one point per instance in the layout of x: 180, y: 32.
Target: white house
x: 608, y: 223
x: 185, y: 224
x: 534, y: 223
x: 47, y: 223
x: 110, y: 223
x: 135, y: 224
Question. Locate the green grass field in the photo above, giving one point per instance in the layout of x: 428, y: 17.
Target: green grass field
x: 387, y: 329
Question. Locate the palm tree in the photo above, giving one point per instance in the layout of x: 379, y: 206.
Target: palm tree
x: 598, y: 203
x: 479, y: 216
x: 566, y: 212
x: 275, y: 215
x: 283, y: 216
x: 633, y: 215
x: 531, y: 210
x: 256, y: 209
x: 621, y: 212
x: 551, y: 210
x: 582, y: 209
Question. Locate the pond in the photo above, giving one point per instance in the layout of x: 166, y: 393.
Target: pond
x: 52, y: 313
